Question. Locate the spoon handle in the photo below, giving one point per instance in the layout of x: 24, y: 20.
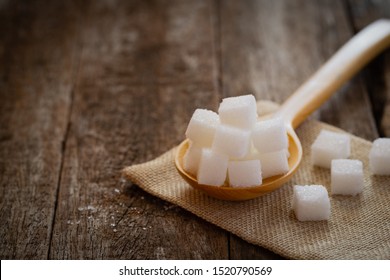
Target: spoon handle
x: 345, y: 63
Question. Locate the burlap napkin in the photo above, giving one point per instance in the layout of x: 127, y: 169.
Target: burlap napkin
x: 359, y: 227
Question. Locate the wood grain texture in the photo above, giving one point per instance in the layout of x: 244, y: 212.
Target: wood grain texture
x: 89, y: 87
x: 144, y: 64
x: 38, y: 55
x: 269, y: 50
x: 377, y: 74
x: 385, y: 118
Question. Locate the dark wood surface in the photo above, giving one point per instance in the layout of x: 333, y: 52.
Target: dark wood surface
x: 88, y: 87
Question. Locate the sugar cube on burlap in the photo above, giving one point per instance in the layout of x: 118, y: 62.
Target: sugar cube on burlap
x: 379, y: 157
x: 330, y: 145
x: 347, y: 176
x: 311, y: 203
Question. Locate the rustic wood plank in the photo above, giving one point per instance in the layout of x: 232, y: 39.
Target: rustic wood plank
x: 269, y: 48
x: 275, y: 51
x: 363, y: 12
x: 385, y: 120
x: 38, y: 58
x: 145, y: 67
x: 377, y: 74
x: 242, y: 250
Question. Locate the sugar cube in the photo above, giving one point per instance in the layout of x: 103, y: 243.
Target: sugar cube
x: 311, y: 203
x: 239, y: 111
x: 212, y: 168
x: 251, y: 154
x: 379, y: 157
x: 287, y: 153
x: 202, y: 126
x: 232, y: 141
x: 274, y: 163
x: 244, y: 173
x: 270, y: 135
x: 330, y: 145
x: 346, y: 176
x: 191, y: 158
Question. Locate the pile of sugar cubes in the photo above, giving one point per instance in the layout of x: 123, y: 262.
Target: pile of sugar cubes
x: 233, y: 148
x: 332, y: 150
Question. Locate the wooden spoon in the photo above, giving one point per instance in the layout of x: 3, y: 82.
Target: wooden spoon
x: 345, y: 63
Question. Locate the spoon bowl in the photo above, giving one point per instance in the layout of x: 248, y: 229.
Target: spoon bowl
x: 356, y: 53
x: 229, y: 193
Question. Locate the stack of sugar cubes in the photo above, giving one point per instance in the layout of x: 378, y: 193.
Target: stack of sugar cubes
x: 233, y: 148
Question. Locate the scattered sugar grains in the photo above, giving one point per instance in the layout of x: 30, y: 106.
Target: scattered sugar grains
x: 347, y: 176
x: 330, y: 145
x: 252, y: 149
x: 311, y: 203
x: 379, y: 157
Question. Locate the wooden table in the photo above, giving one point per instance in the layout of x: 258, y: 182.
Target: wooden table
x: 88, y: 87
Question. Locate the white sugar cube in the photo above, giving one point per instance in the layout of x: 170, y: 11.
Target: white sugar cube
x: 239, y: 111
x: 330, y: 145
x: 311, y: 203
x: 287, y: 153
x: 202, y: 126
x: 251, y: 154
x: 212, y: 168
x: 379, y: 156
x: 254, y: 154
x: 244, y: 173
x: 232, y: 141
x: 274, y: 163
x: 191, y: 158
x: 270, y: 135
x: 347, y: 176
